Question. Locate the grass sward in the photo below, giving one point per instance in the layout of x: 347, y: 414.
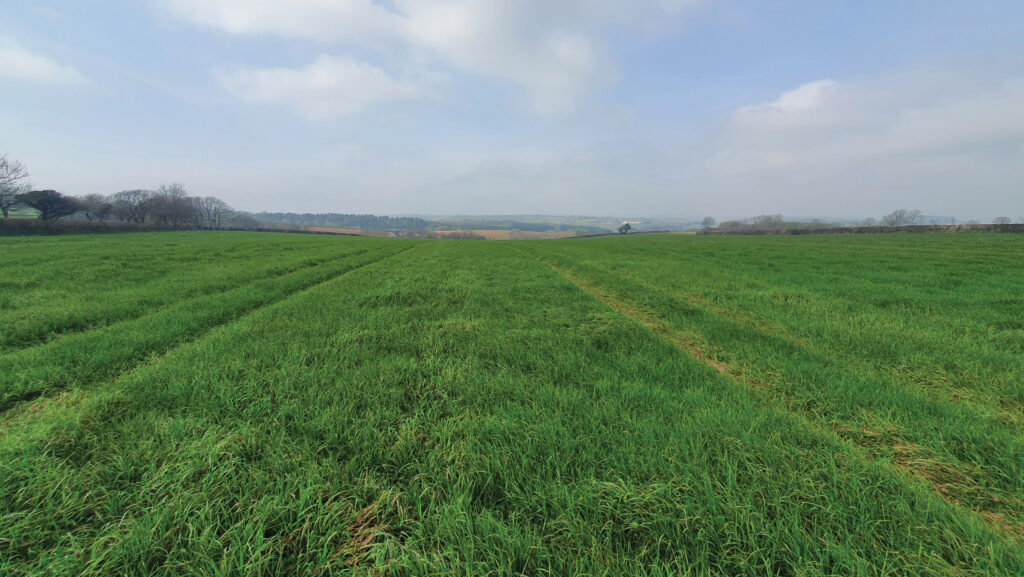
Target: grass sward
x: 52, y: 287
x: 464, y: 408
x: 843, y: 359
x: 84, y: 358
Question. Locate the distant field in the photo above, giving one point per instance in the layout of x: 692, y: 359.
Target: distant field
x: 245, y: 403
x: 508, y: 234
x: 487, y: 234
x: 353, y: 231
x: 482, y: 233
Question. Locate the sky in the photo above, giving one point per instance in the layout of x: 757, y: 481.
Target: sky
x: 642, y: 108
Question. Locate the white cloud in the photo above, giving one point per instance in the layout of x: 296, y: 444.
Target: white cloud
x: 322, y: 20
x: 800, y: 106
x: 827, y: 124
x: 327, y: 88
x: 843, y: 148
x: 977, y: 120
x: 909, y: 139
x: 551, y: 51
x: 20, y: 64
x: 554, y: 62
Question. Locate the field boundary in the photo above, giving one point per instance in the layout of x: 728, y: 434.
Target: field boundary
x: 918, y: 228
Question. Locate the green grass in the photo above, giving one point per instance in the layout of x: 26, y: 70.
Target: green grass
x: 915, y: 353
x: 47, y: 290
x: 617, y: 406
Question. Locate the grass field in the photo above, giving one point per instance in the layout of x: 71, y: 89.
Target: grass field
x: 263, y: 404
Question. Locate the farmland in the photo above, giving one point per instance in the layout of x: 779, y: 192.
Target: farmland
x: 242, y: 403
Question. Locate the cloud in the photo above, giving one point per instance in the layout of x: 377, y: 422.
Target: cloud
x: 807, y: 104
x: 552, y: 63
x: 553, y: 52
x: 327, y: 88
x: 949, y: 143
x: 320, y: 20
x: 20, y: 64
x: 827, y: 124
x: 914, y: 138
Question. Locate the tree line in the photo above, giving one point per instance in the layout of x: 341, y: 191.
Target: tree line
x: 168, y: 206
x: 896, y: 218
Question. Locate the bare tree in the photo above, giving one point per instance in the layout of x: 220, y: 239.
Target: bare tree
x: 708, y: 223
x: 895, y: 218
x: 13, y: 182
x: 50, y: 204
x: 1001, y: 220
x: 902, y: 217
x: 96, y: 207
x: 210, y: 212
x: 171, y: 205
x: 868, y: 222
x: 174, y: 189
x: 131, y: 205
x: 768, y: 221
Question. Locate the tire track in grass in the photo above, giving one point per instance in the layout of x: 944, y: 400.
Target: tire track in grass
x: 86, y: 325
x: 79, y: 326
x: 951, y: 481
x: 1004, y: 415
x: 993, y: 414
x: 132, y: 333
x: 914, y: 376
x: 32, y: 420
x: 82, y: 360
x: 100, y: 324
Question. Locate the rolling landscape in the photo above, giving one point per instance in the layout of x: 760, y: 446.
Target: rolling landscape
x: 218, y: 403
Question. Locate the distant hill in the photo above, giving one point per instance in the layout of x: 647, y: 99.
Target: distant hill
x: 595, y: 224
x: 336, y: 220
x: 404, y: 223
x: 479, y: 223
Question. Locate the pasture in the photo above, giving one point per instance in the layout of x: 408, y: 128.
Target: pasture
x: 189, y: 403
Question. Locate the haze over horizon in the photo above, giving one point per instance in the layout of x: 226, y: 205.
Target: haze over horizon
x: 658, y: 108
